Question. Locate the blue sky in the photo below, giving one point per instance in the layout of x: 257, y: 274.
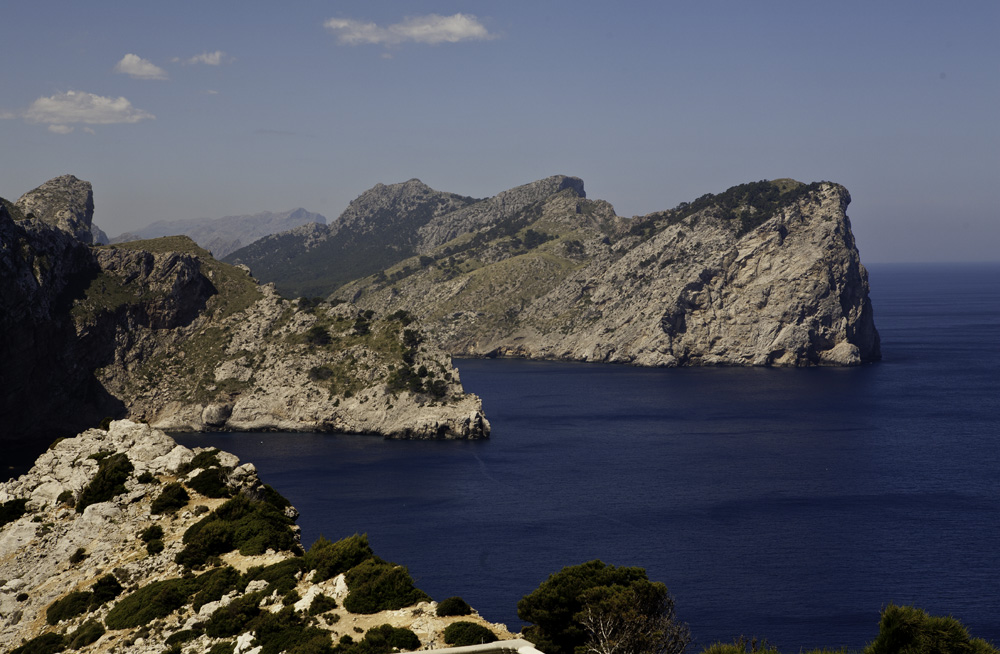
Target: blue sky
x: 192, y: 109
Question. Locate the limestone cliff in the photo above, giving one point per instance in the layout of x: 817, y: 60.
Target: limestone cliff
x: 104, y: 546
x: 764, y: 274
x: 160, y: 331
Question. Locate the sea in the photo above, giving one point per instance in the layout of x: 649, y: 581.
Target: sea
x: 791, y: 505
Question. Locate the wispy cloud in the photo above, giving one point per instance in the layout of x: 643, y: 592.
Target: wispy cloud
x: 62, y: 110
x: 216, y: 58
x: 135, y: 66
x: 430, y: 29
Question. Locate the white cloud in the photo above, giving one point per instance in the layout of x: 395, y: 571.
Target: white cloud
x: 63, y: 109
x: 139, y: 68
x: 431, y: 29
x: 216, y: 58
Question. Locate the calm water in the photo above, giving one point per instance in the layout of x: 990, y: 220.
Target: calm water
x: 790, y: 504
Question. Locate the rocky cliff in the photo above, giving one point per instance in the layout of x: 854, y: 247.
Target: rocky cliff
x: 764, y: 274
x: 67, y: 203
x: 160, y: 331
x: 124, y: 541
x: 223, y: 235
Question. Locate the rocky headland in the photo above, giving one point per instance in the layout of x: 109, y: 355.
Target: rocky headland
x: 160, y: 331
x: 124, y: 541
x: 763, y: 274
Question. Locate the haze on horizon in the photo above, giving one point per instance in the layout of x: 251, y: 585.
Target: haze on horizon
x: 224, y: 108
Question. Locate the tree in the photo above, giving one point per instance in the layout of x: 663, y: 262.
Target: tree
x: 593, y: 608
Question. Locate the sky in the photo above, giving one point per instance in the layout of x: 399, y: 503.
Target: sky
x: 205, y: 109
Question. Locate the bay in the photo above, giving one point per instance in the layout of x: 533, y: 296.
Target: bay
x: 788, y: 504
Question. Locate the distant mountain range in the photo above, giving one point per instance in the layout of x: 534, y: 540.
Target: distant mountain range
x: 223, y: 235
x: 764, y: 273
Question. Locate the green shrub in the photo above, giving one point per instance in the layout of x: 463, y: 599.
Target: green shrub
x: 66, y: 497
x: 909, y: 630
x: 376, y: 585
x: 318, y: 335
x: 225, y: 647
x: 322, y: 604
x: 280, y: 576
x: 330, y: 559
x: 206, y: 459
x: 12, y: 510
x: 47, y: 643
x: 89, y: 632
x: 157, y: 600
x: 154, y: 547
x: 216, y: 583
x: 112, y: 473
x: 211, y: 483
x: 453, y: 606
x: 286, y: 631
x: 460, y: 634
x: 152, y: 532
x: 79, y: 555
x: 147, y: 478
x: 234, y: 617
x: 68, y: 607
x: 172, y: 497
x: 182, y: 636
x: 105, y: 589
x: 385, y: 639
x: 249, y: 525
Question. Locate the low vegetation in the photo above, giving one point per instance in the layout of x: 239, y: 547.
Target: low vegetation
x: 112, y: 473
x: 453, y: 606
x: 460, y: 634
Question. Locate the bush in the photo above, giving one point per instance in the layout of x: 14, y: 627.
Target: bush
x: 286, y: 631
x: 572, y: 608
x: 205, y: 459
x: 453, y: 606
x: 79, y: 555
x: 318, y: 335
x: 172, y: 497
x: 249, y: 525
x: 105, y: 589
x: 66, y: 497
x: 330, y: 559
x: 280, y: 576
x: 460, y: 634
x: 70, y: 606
x: 909, y: 630
x: 12, y: 510
x: 157, y: 600
x: 385, y: 639
x: 152, y: 532
x: 224, y: 647
x: 234, y: 617
x: 322, y: 604
x: 376, y: 585
x: 89, y: 632
x: 47, y: 643
x: 147, y: 478
x: 112, y: 473
x: 154, y: 547
x: 182, y: 636
x: 211, y: 483
x: 214, y: 584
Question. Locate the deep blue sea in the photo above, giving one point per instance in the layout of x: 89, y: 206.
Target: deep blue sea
x: 787, y: 504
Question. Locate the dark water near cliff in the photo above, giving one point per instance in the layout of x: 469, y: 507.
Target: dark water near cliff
x: 790, y: 504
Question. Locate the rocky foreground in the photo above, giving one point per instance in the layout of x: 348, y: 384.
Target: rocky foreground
x: 125, y: 541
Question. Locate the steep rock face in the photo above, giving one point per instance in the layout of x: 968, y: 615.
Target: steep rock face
x: 160, y: 330
x: 54, y: 551
x: 766, y: 274
x: 64, y: 202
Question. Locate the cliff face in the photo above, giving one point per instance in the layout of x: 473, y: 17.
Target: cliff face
x: 76, y: 569
x: 160, y: 331
x: 765, y: 274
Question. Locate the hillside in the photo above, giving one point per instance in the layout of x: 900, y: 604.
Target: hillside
x: 220, y: 236
x: 160, y: 331
x: 386, y: 224
x: 763, y: 274
x: 121, y: 540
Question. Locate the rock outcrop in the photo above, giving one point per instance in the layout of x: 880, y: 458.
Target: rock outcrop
x: 765, y: 274
x: 67, y: 203
x: 161, y: 331
x: 73, y: 576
